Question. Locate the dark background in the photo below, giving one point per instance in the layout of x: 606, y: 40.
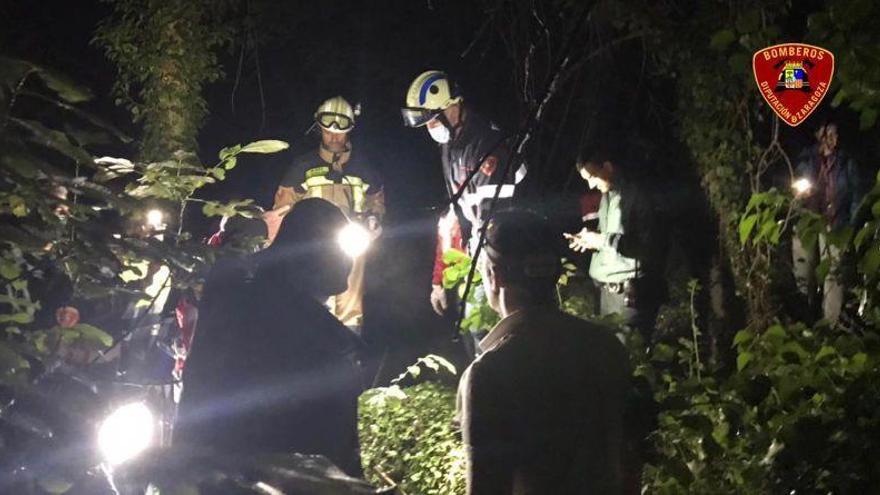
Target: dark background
x: 299, y: 55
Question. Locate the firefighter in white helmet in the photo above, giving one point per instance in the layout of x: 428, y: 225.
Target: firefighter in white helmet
x: 338, y: 173
x: 467, y: 142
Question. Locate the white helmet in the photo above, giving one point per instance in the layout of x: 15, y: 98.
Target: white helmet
x: 336, y: 115
x: 429, y: 94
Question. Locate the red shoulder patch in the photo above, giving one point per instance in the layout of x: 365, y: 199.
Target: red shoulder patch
x: 489, y: 165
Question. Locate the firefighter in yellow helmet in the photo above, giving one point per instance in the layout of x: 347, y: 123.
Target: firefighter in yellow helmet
x: 467, y: 142
x: 338, y: 173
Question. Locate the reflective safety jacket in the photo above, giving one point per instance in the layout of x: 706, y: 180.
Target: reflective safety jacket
x: 478, y: 139
x: 345, y: 179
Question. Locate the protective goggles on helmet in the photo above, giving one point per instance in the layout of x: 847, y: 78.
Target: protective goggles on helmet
x: 334, y: 121
x: 417, y: 117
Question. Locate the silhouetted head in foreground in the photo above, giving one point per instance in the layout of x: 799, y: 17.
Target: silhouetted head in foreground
x: 306, y: 254
x: 522, y: 261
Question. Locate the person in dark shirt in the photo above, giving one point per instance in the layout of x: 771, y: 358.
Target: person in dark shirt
x: 542, y: 407
x: 271, y: 370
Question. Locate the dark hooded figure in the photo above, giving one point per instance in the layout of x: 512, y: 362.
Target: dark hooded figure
x: 271, y: 369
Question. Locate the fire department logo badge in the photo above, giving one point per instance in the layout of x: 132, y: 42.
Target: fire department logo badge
x: 793, y: 78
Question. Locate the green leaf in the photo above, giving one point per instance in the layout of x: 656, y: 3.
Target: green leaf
x: 93, y: 333
x: 746, y: 226
x: 414, y: 371
x: 662, y: 353
x: 227, y: 153
x: 265, y: 146
x: 10, y: 359
x: 775, y: 332
x: 739, y: 63
x: 867, y: 118
x: 825, y: 351
x: 230, y: 163
x: 218, y: 172
x: 9, y: 270
x: 748, y: 21
x: 55, y: 140
x: 20, y: 317
x: 858, y: 361
x: 454, y: 256
x: 743, y: 360
x: 722, y: 39
x: 66, y: 89
x: 742, y: 337
x: 13, y: 70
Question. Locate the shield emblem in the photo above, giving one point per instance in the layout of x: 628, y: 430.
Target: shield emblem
x: 793, y: 79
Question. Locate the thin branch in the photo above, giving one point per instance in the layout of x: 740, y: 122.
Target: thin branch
x: 260, y: 84
x: 237, y: 77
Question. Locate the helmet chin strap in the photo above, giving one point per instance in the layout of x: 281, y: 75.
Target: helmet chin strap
x: 453, y: 130
x: 336, y: 154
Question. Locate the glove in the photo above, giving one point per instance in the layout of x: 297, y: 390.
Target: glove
x: 438, y: 299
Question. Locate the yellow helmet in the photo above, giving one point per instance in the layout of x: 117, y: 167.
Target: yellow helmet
x: 336, y: 115
x: 429, y: 94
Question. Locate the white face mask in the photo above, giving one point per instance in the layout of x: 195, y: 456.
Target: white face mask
x: 440, y: 134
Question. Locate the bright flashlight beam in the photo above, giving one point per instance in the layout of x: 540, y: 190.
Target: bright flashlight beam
x: 125, y: 433
x: 155, y: 219
x: 354, y: 239
x: 802, y: 185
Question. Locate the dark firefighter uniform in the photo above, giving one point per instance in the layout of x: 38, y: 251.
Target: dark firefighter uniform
x: 479, y: 139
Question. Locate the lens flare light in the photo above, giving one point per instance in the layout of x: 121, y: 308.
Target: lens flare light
x: 156, y: 219
x: 802, y: 186
x: 354, y: 239
x: 126, y: 432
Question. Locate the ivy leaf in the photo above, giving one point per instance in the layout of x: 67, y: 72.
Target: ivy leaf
x: 66, y: 89
x: 10, y: 359
x: 454, y: 256
x: 722, y: 39
x: 746, y: 226
x: 414, y: 371
x: 93, y: 333
x: 9, y: 270
x: 739, y: 63
x: 775, y: 333
x: 870, y: 262
x: 55, y: 140
x: 229, y: 152
x: 743, y: 360
x: 742, y: 337
x: 20, y: 317
x: 867, y: 118
x: 265, y: 146
x: 825, y: 351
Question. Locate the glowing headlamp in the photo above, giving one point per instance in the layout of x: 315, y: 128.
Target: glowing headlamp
x: 156, y: 219
x: 801, y: 186
x: 354, y: 239
x: 125, y: 433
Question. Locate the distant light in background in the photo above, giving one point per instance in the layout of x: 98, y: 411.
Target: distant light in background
x: 156, y: 219
x: 354, y: 239
x: 801, y: 186
x: 126, y: 432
